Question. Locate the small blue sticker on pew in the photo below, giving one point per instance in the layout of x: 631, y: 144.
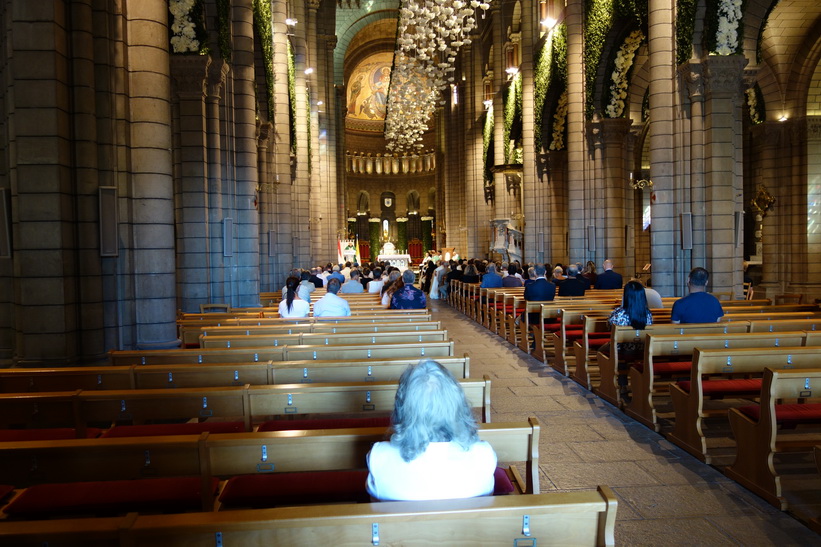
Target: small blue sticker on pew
x: 264, y: 466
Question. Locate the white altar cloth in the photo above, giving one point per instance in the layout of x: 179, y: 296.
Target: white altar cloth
x: 399, y: 261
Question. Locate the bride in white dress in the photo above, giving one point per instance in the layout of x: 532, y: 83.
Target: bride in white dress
x: 437, y: 280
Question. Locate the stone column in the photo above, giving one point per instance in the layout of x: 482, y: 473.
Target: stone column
x: 693, y: 79
x: 151, y: 209
x: 246, y: 220
x: 43, y: 285
x: 284, y: 215
x: 532, y: 188
x: 723, y: 170
x: 663, y: 204
x: 614, y: 135
x: 575, y: 227
x: 216, y: 83
x: 190, y: 72
x: 332, y: 170
x: 316, y: 204
x: 475, y: 207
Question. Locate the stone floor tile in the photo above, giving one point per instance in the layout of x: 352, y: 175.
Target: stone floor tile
x: 764, y: 531
x: 528, y: 405
x: 670, y: 532
x: 614, y: 451
x: 556, y: 452
x: 585, y: 475
x: 686, y: 471
x: 677, y: 501
x: 570, y: 433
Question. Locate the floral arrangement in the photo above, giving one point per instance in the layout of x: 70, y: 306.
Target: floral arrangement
x: 559, y: 121
x: 487, y: 142
x: 513, y: 112
x: 183, y: 29
x: 755, y: 104
x: 262, y: 26
x: 729, y: 18
x: 292, y: 98
x: 623, y: 63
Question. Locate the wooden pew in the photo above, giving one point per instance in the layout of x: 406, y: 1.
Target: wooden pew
x: 571, y: 321
x: 376, y: 351
x: 712, y: 368
x: 780, y: 325
x: 759, y: 436
x: 265, y: 402
x: 213, y: 375
x: 609, y: 366
x: 257, y: 355
x: 584, y: 518
x: 240, y: 456
x: 19, y: 380
x: 250, y: 404
x: 596, y: 331
x: 669, y: 355
x: 320, y: 339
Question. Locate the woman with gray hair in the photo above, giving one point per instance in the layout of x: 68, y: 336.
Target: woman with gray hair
x: 435, y: 451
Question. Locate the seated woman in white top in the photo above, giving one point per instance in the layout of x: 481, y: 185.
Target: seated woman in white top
x: 293, y: 305
x: 435, y: 451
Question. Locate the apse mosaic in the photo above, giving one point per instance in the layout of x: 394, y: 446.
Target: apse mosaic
x: 368, y: 88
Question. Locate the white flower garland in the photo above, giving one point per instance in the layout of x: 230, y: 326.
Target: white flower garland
x: 752, y: 104
x: 184, y: 39
x: 729, y: 15
x: 559, y: 120
x: 624, y: 60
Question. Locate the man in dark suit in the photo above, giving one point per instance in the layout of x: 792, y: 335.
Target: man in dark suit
x: 541, y: 290
x: 572, y: 285
x: 609, y: 279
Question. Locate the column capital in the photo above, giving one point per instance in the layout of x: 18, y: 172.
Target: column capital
x: 330, y: 41
x: 217, y: 72
x: 313, y: 5
x: 724, y: 74
x: 692, y: 76
x: 615, y: 130
x: 189, y: 73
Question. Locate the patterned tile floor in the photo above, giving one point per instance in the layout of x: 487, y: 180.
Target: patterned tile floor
x: 666, y: 497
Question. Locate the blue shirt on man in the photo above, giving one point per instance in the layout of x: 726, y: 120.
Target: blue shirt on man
x: 697, y: 307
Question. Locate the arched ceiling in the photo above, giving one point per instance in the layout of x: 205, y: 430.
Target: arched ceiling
x: 351, y: 20
x: 789, y: 44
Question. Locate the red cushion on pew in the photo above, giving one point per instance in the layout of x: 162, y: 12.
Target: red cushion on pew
x: 295, y: 488
x: 666, y: 367
x: 330, y: 423
x: 174, y: 429
x: 788, y: 414
x: 5, y: 490
x: 175, y: 494
x: 729, y: 387
x: 553, y: 327
x: 46, y: 434
x: 501, y: 482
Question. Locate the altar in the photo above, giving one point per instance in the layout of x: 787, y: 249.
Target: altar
x: 388, y: 254
x: 398, y: 261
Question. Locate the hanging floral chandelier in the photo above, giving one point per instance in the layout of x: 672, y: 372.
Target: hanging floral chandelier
x: 429, y: 37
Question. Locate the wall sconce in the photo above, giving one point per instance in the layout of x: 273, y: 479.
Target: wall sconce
x: 512, y: 70
x: 783, y: 118
x: 488, y: 103
x: 309, y: 71
x: 291, y: 22
x: 640, y: 184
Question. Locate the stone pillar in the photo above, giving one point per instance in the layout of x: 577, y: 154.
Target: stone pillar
x: 316, y: 204
x: 575, y: 227
x: 284, y: 215
x: 723, y: 170
x: 532, y: 189
x: 663, y: 206
x: 190, y: 72
x: 332, y: 170
x: 501, y: 208
x: 42, y: 286
x: 693, y: 79
x: 614, y: 135
x: 264, y: 203
x: 151, y: 211
x: 215, y: 259
x: 476, y: 208
x: 246, y: 220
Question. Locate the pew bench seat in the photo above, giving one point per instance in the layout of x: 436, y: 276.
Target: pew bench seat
x: 159, y: 430
x: 47, y: 434
x: 788, y: 415
x: 152, y: 495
